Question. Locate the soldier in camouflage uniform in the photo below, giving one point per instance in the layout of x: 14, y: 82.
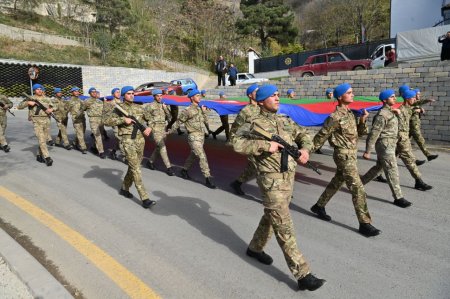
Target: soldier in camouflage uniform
x: 276, y: 186
x: 6, y: 104
x: 41, y: 121
x: 342, y: 131
x: 108, y: 107
x: 133, y: 142
x: 62, y: 114
x: 78, y: 119
x: 245, y: 116
x: 414, y: 125
x: 194, y: 118
x: 173, y: 116
x: 329, y: 95
x: 404, y: 149
x: 157, y: 112
x: 94, y: 109
x: 384, y: 136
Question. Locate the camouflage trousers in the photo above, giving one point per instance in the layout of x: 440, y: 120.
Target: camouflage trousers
x: 347, y: 171
x: 196, y: 142
x: 404, y: 152
x: 159, y: 136
x: 387, y: 162
x: 249, y: 172
x: 224, y: 127
x: 41, y: 125
x: 118, y: 144
x: 79, y: 128
x: 96, y: 123
x: 3, y: 121
x: 276, y: 189
x: 134, y: 152
x: 414, y: 131
x: 62, y: 133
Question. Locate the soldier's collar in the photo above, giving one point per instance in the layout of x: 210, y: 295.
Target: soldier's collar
x: 269, y: 115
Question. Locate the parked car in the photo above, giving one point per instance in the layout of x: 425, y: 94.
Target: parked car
x: 247, y: 78
x: 379, y: 55
x: 183, y: 86
x: 318, y: 65
x: 146, y: 88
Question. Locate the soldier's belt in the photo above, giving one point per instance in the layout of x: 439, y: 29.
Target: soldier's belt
x: 129, y: 136
x: 277, y: 175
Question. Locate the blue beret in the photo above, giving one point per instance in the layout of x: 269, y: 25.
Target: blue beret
x: 252, y: 88
x: 265, y: 91
x: 92, y: 89
x: 341, y: 89
x: 74, y: 89
x: 417, y: 90
x: 126, y: 89
x: 36, y: 86
x: 114, y: 90
x: 193, y: 93
x: 156, y: 92
x: 57, y: 89
x: 386, y: 94
x: 407, y: 94
x: 203, y: 91
x: 290, y: 91
x: 221, y: 93
x: 328, y: 91
x: 402, y: 89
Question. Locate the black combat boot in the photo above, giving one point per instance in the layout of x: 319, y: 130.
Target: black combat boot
x: 113, y: 155
x: 310, y: 283
x: 262, y: 257
x: 48, y: 161
x: 420, y: 185
x: 432, y: 157
x: 381, y: 179
x: 102, y: 156
x: 84, y: 152
x: 51, y: 143
x: 148, y: 203
x: 402, y: 203
x: 210, y: 183
x: 6, y: 148
x: 184, y: 174
x: 40, y: 159
x: 125, y: 193
x: 236, y: 185
x: 420, y: 162
x: 368, y: 230
x: 68, y: 147
x: 170, y: 171
x: 180, y: 132
x: 320, y: 212
x: 318, y: 151
x: 150, y: 165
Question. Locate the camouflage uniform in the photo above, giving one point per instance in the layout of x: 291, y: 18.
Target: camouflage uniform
x: 157, y: 113
x: 108, y: 108
x: 414, y: 127
x: 62, y: 114
x: 94, y: 110
x: 245, y: 116
x: 41, y: 122
x: 384, y: 136
x: 404, y: 149
x: 78, y: 120
x: 193, y: 119
x: 133, y: 147
x: 342, y: 132
x: 276, y: 187
x: 3, y: 119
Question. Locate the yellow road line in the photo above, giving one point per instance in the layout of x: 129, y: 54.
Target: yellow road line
x: 126, y: 280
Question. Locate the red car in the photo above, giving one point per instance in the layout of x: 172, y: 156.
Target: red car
x: 318, y: 65
x: 146, y: 88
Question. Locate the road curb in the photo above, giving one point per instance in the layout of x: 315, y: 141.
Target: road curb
x: 39, y: 281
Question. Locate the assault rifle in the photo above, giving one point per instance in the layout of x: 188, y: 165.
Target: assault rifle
x: 41, y: 106
x: 3, y: 105
x: 137, y: 125
x: 286, y: 151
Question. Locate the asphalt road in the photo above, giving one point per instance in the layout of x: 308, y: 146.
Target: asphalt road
x: 192, y: 243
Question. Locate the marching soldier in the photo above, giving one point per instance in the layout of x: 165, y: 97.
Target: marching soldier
x: 276, y: 186
x: 78, y: 119
x: 62, y: 114
x: 224, y: 120
x: 384, y: 136
x: 342, y: 131
x: 41, y: 121
x: 245, y: 116
x: 173, y: 116
x: 290, y: 94
x: 94, y: 109
x: 108, y: 107
x: 194, y: 118
x: 133, y: 143
x: 5, y: 105
x: 157, y: 112
x: 329, y: 95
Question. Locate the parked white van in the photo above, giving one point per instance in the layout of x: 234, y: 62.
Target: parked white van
x: 379, y: 55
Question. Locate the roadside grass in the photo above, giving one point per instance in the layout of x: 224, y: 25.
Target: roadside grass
x: 36, y: 23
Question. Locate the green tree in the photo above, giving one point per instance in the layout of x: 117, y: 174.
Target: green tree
x: 114, y: 13
x: 103, y: 40
x: 267, y: 19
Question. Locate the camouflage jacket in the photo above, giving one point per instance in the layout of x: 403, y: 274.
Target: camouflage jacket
x: 116, y: 118
x: 384, y: 126
x: 193, y: 119
x: 35, y: 111
x: 157, y: 113
x: 108, y: 108
x: 341, y: 130
x: 62, y: 106
x: 251, y: 143
x: 245, y: 116
x: 74, y: 107
x: 7, y: 103
x: 404, y: 119
x: 93, y: 107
